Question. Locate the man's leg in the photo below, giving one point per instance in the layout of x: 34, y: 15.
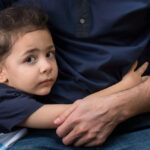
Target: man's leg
x: 133, y: 140
x: 48, y: 140
x: 43, y: 140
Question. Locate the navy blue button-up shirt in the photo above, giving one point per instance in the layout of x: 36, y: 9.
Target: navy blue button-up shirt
x: 96, y: 42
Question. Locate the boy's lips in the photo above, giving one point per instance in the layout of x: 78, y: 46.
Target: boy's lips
x: 47, y: 81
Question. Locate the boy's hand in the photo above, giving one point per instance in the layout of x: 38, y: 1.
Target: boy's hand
x: 134, y: 77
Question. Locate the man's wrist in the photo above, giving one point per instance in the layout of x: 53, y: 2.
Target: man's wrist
x: 133, y: 101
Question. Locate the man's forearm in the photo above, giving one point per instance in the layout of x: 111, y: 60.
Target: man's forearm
x: 134, y: 101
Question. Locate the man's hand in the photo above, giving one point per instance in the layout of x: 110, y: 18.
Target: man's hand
x: 91, y: 122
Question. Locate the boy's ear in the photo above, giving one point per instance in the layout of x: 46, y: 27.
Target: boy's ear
x: 3, y: 76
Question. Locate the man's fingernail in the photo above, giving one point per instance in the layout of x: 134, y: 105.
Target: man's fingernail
x: 57, y: 121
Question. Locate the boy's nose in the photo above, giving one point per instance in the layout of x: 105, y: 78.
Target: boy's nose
x: 45, y: 67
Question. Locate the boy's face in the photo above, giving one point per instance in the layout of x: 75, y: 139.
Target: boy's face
x: 31, y: 65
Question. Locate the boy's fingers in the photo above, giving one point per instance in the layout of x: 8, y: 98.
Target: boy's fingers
x: 133, y: 67
x: 142, y: 69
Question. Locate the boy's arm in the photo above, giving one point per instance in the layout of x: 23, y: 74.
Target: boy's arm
x: 44, y: 117
x: 131, y: 79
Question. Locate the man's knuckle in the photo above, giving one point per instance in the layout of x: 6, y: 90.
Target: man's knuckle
x: 76, y: 120
x: 100, y: 141
x: 83, y: 129
x: 58, y: 132
x: 79, y: 131
x: 65, y: 142
x: 91, y: 136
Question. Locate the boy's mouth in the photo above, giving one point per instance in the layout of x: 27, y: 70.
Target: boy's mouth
x: 47, y: 81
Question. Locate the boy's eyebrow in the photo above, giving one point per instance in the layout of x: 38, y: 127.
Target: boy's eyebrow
x: 36, y: 49
x: 50, y: 47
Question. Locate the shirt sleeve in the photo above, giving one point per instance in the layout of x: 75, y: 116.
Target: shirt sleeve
x: 15, y: 107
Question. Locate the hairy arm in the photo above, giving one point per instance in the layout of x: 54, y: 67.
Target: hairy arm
x: 44, y: 117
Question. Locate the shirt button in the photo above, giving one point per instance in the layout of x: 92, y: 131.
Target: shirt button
x: 82, y: 20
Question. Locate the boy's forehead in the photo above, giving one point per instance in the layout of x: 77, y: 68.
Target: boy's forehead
x: 21, y: 32
x: 33, y: 40
x: 15, y: 36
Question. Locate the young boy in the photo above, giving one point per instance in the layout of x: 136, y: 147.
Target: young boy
x: 28, y: 69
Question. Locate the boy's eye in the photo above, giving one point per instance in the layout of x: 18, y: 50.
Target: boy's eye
x: 30, y: 59
x: 49, y: 54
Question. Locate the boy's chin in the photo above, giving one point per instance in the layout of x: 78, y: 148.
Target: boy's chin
x: 43, y: 93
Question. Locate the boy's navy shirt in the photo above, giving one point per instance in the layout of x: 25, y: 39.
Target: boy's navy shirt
x: 14, y: 107
x: 96, y: 42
